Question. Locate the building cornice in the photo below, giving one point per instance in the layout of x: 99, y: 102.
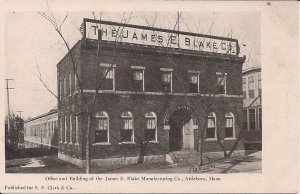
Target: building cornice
x: 160, y: 93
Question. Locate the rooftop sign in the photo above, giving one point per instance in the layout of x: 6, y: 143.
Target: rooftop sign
x: 143, y: 35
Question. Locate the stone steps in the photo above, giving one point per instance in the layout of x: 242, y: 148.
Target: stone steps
x: 184, y: 157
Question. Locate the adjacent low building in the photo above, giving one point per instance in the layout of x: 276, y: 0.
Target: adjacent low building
x: 41, y: 131
x: 158, y: 92
x: 252, y: 113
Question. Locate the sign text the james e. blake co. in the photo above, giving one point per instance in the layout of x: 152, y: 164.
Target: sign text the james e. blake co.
x: 117, y: 32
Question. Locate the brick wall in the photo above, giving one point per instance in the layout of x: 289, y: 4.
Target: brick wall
x: 161, y: 104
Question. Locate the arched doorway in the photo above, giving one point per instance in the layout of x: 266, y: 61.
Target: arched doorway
x: 181, y: 135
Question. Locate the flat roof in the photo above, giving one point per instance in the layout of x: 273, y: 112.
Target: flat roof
x: 42, y: 115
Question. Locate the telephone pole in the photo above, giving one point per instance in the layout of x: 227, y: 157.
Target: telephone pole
x: 8, y: 108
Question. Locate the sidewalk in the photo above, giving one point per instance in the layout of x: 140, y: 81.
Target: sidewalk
x: 51, y: 164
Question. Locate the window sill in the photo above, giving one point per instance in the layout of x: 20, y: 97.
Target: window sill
x: 151, y: 142
x: 70, y: 143
x: 230, y: 138
x: 104, y: 143
x: 65, y: 142
x: 77, y: 144
x: 126, y: 143
x: 211, y: 139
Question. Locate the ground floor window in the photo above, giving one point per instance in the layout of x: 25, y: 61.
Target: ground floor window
x: 211, y: 126
x: 252, y: 122
x: 229, y: 129
x: 260, y: 119
x: 150, y: 131
x: 127, y: 133
x: 102, y: 128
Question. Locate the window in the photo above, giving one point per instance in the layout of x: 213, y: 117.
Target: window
x: 252, y: 119
x: 77, y: 129
x: 66, y: 129
x: 107, y: 78
x: 244, y: 88
x: 194, y: 83
x: 251, y: 86
x: 102, y: 128
x: 211, y: 126
x: 138, y: 78
x: 70, y: 84
x: 167, y: 81
x: 221, y: 83
x: 127, y: 132
x: 259, y: 85
x: 65, y: 87
x: 245, y: 120
x: 260, y: 118
x: 229, y: 129
x: 71, y: 129
x: 61, y: 90
x: 61, y: 129
x: 75, y: 81
x: 150, y: 131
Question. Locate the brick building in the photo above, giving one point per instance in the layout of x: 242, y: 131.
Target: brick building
x: 155, y: 97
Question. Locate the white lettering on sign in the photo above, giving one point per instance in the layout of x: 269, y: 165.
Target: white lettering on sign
x: 134, y: 35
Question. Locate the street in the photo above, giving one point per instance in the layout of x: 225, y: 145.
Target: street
x: 51, y: 164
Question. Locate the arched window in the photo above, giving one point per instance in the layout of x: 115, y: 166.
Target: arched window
x: 229, y: 128
x: 127, y: 132
x: 102, y: 128
x: 151, y: 123
x: 211, y: 126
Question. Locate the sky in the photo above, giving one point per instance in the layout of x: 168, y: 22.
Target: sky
x: 31, y: 40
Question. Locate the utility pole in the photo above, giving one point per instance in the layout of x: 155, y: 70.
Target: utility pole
x: 8, y: 109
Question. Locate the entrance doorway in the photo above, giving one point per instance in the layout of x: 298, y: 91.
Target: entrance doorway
x: 181, y: 135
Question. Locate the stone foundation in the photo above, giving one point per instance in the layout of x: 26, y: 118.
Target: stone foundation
x: 113, y: 161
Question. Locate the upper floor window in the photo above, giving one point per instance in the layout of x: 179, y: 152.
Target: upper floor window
x: 150, y: 131
x: 70, y: 84
x: 102, y: 128
x: 251, y: 86
x: 259, y: 85
x: 221, y: 83
x: 211, y: 126
x: 107, y: 80
x: 61, y: 90
x: 229, y: 128
x: 166, y: 79
x: 65, y: 87
x: 138, y: 78
x: 127, y: 132
x: 244, y: 88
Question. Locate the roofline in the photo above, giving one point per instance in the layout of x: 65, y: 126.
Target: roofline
x: 69, y: 52
x: 173, y: 51
x: 158, y: 29
x: 248, y: 70
x: 43, y: 115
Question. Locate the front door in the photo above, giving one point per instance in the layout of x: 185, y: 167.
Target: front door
x: 178, y: 120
